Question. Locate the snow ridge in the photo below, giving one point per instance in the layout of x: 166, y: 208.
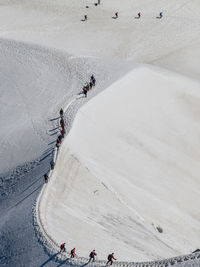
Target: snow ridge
x: 53, y: 247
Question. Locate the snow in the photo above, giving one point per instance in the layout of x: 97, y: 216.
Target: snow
x: 51, y: 79
x: 145, y: 168
x: 118, y: 167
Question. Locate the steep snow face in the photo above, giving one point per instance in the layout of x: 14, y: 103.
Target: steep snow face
x: 130, y: 164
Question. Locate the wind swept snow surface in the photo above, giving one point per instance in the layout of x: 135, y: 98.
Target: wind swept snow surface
x: 130, y: 164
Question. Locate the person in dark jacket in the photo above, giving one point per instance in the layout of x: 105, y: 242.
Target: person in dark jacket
x: 62, y: 132
x: 61, y: 112
x: 52, y: 164
x: 110, y: 259
x: 73, y: 254
x: 92, y: 255
x: 85, y: 90
x: 46, y: 178
x: 62, y: 247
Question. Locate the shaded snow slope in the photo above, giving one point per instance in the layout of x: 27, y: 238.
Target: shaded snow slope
x: 130, y: 164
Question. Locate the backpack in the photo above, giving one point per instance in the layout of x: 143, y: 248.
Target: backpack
x: 92, y: 254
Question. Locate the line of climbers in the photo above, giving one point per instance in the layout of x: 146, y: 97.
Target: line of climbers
x: 58, y: 142
x: 89, y: 85
x: 92, y: 255
x: 116, y: 14
x: 62, y: 132
x: 86, y: 88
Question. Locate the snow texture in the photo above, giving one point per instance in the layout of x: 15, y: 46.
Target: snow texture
x: 129, y: 166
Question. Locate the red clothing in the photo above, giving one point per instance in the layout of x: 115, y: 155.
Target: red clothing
x: 92, y: 254
x: 73, y: 253
x: 63, y: 132
x: 110, y: 259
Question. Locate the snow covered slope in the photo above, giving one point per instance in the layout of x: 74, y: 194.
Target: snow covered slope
x: 130, y: 164
x: 147, y: 40
x: 47, y: 54
x: 35, y: 83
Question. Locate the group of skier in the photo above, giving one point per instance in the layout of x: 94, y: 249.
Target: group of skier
x: 92, y: 254
x: 89, y: 85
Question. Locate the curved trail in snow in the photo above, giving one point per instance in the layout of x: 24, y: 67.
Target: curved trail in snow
x: 54, y: 248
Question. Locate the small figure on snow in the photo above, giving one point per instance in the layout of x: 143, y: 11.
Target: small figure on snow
x: 62, y: 247
x: 116, y: 15
x: 58, y: 142
x: 85, y: 90
x: 110, y: 259
x: 62, y: 123
x: 92, y: 79
x: 161, y: 15
x: 46, y: 178
x: 88, y: 86
x: 92, y: 255
x: 139, y: 15
x: 73, y: 254
x: 85, y: 17
x: 52, y: 164
x: 91, y: 84
x: 62, y: 132
x: 61, y: 112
